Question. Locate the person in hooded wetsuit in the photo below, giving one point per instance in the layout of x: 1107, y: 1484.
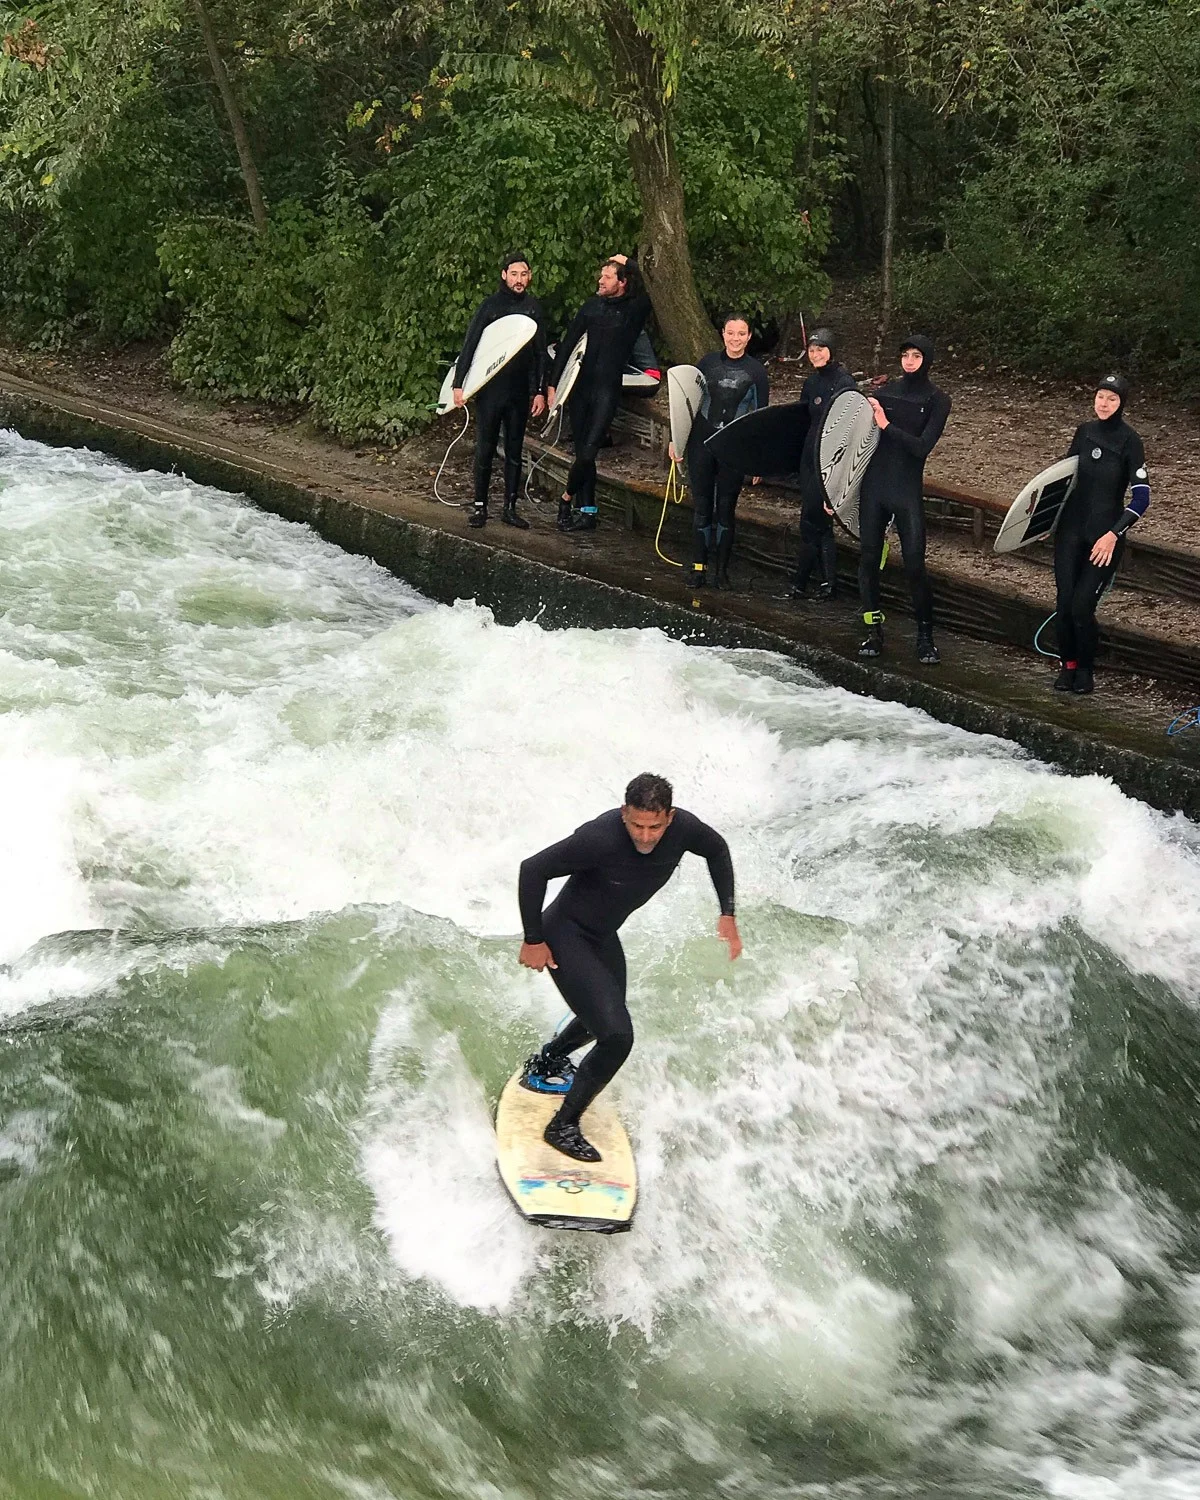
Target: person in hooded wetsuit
x: 511, y: 396
x: 1092, y: 528
x: 734, y: 384
x: 614, y: 865
x: 827, y: 380
x: 911, y: 415
x: 612, y: 320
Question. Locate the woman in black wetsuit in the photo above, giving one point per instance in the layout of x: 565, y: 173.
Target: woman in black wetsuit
x: 734, y: 384
x: 1091, y: 530
x: 827, y: 380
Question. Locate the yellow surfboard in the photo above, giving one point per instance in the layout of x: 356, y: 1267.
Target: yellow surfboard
x: 555, y: 1190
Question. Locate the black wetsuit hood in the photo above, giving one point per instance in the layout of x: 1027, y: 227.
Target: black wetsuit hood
x: 1119, y: 387
x: 925, y: 348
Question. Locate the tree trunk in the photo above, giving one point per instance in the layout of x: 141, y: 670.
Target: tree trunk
x: 889, y: 200
x: 664, y: 254
x: 241, y: 140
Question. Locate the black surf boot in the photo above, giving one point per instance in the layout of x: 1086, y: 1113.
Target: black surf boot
x: 566, y: 1136
x: 698, y: 578
x: 510, y: 518
x: 478, y: 516
x: 927, y: 652
x: 724, y: 552
x: 1065, y: 681
x: 873, y: 641
x: 586, y: 520
x: 544, y: 1074
x: 1084, y: 680
x: 828, y: 587
x: 564, y: 514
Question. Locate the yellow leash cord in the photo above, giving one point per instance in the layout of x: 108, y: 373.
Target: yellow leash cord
x: 675, y: 490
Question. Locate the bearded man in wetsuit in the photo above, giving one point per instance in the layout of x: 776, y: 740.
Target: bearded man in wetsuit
x: 734, y: 384
x: 911, y: 415
x: 1092, y: 528
x: 511, y: 396
x: 827, y: 380
x: 615, y: 864
x: 612, y: 320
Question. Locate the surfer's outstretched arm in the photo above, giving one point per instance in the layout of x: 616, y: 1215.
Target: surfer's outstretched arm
x: 708, y: 843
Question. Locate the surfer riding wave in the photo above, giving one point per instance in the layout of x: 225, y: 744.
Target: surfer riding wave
x: 614, y: 865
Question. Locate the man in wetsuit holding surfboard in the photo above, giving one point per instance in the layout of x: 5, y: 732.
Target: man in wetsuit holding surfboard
x: 615, y: 864
x: 511, y: 396
x: 612, y: 320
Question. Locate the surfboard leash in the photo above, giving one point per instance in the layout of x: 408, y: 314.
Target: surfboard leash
x: 556, y: 421
x: 441, y: 469
x: 675, y: 491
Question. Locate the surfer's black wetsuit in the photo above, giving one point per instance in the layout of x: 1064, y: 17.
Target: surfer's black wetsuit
x: 612, y: 325
x: 609, y: 880
x: 504, y: 401
x: 1111, y: 458
x: 816, y: 528
x: 894, y: 484
x: 732, y: 387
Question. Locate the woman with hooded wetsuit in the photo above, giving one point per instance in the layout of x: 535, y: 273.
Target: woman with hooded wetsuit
x: 1092, y: 528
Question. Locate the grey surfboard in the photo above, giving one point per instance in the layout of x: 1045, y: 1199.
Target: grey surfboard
x: 1035, y: 512
x: 848, y: 441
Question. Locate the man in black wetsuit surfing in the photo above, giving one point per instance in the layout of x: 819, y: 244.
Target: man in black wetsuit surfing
x: 615, y: 864
x: 511, y: 396
x: 612, y: 320
x: 1091, y: 530
x: 827, y: 380
x: 911, y: 416
x: 734, y: 384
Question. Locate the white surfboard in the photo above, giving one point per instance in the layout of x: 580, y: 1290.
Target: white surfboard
x: 554, y: 1190
x: 499, y: 342
x: 569, y: 375
x: 1034, y: 513
x: 848, y: 440
x: 685, y: 395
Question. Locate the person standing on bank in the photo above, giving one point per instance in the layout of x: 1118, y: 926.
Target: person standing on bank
x: 615, y: 864
x: 911, y: 415
x: 734, y: 384
x: 612, y: 320
x: 1091, y: 531
x: 511, y: 396
x: 827, y: 380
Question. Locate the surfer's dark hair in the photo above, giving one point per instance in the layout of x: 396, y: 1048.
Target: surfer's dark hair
x: 628, y: 274
x: 735, y: 317
x: 650, y: 793
x: 513, y: 258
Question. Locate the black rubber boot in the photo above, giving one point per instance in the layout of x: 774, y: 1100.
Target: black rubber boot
x: 564, y: 515
x: 1065, y: 681
x: 873, y: 642
x: 721, y: 571
x: 1084, y: 680
x: 697, y: 577
x: 828, y: 589
x: 543, y: 1074
x: 927, y: 652
x: 586, y: 520
x: 510, y: 518
x: 566, y: 1136
x: 478, y: 516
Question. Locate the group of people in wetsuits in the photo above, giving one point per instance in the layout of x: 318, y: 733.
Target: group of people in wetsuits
x: 910, y: 411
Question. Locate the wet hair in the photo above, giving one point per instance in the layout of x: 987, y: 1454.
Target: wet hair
x: 628, y: 275
x: 650, y: 793
x: 735, y: 317
x: 513, y: 258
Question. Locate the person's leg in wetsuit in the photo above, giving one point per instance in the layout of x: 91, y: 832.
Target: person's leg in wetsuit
x: 908, y: 514
x: 1080, y: 585
x: 728, y: 488
x: 873, y: 518
x: 516, y: 415
x: 591, y: 410
x: 702, y: 481
x: 816, y: 541
x: 591, y: 978
x: 491, y: 405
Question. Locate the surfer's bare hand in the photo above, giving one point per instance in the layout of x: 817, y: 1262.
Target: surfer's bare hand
x: 538, y: 956
x: 550, y: 394
x: 538, y: 408
x: 829, y: 510
x: 881, y: 420
x: 459, y: 399
x: 756, y: 479
x: 728, y: 933
x: 1103, y: 550
x: 671, y: 454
